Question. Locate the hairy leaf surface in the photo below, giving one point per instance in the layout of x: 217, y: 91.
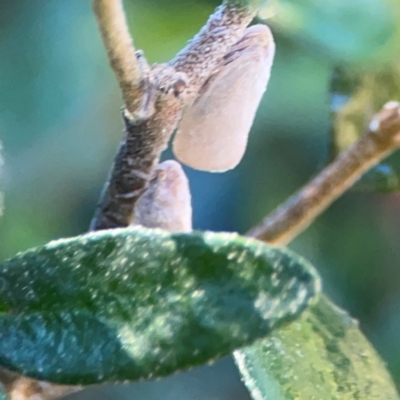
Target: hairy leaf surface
x: 322, y: 355
x: 127, y: 304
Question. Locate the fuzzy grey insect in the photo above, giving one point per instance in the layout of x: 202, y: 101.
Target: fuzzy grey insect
x: 213, y: 133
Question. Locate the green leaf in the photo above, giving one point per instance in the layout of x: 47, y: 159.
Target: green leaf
x: 322, y: 355
x: 127, y: 304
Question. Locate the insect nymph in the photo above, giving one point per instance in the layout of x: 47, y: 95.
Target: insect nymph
x: 213, y: 133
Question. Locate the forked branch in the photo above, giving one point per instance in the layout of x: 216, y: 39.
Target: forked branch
x: 156, y: 97
x: 150, y: 116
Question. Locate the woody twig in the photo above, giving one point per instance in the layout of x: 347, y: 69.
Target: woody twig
x: 161, y: 93
x: 300, y: 210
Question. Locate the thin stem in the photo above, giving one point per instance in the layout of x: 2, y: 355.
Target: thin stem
x: 120, y: 50
x: 300, y: 210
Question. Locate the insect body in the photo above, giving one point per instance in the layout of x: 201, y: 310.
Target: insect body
x: 166, y: 203
x: 212, y: 135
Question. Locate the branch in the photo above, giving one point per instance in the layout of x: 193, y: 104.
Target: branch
x: 170, y: 88
x: 121, y: 52
x: 20, y: 387
x: 300, y: 210
x: 224, y: 28
x: 154, y: 100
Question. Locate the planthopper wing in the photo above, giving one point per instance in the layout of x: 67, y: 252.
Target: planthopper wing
x: 212, y: 135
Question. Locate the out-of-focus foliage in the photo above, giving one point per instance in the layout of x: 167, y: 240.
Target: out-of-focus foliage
x: 1, y: 171
x: 60, y: 125
x: 356, y: 95
x: 128, y: 304
x: 351, y: 31
x: 382, y: 179
x: 323, y: 355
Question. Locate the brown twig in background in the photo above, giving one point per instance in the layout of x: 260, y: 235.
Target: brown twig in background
x: 300, y: 210
x: 120, y: 50
x: 20, y: 387
x: 170, y: 88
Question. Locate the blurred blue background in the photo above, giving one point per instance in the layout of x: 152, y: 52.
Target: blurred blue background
x: 60, y: 126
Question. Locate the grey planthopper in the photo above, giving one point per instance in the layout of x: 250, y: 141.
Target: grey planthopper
x: 213, y: 133
x: 166, y: 203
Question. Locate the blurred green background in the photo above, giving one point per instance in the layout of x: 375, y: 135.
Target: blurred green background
x: 60, y: 126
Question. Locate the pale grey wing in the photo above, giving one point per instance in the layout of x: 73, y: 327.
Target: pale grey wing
x: 212, y: 135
